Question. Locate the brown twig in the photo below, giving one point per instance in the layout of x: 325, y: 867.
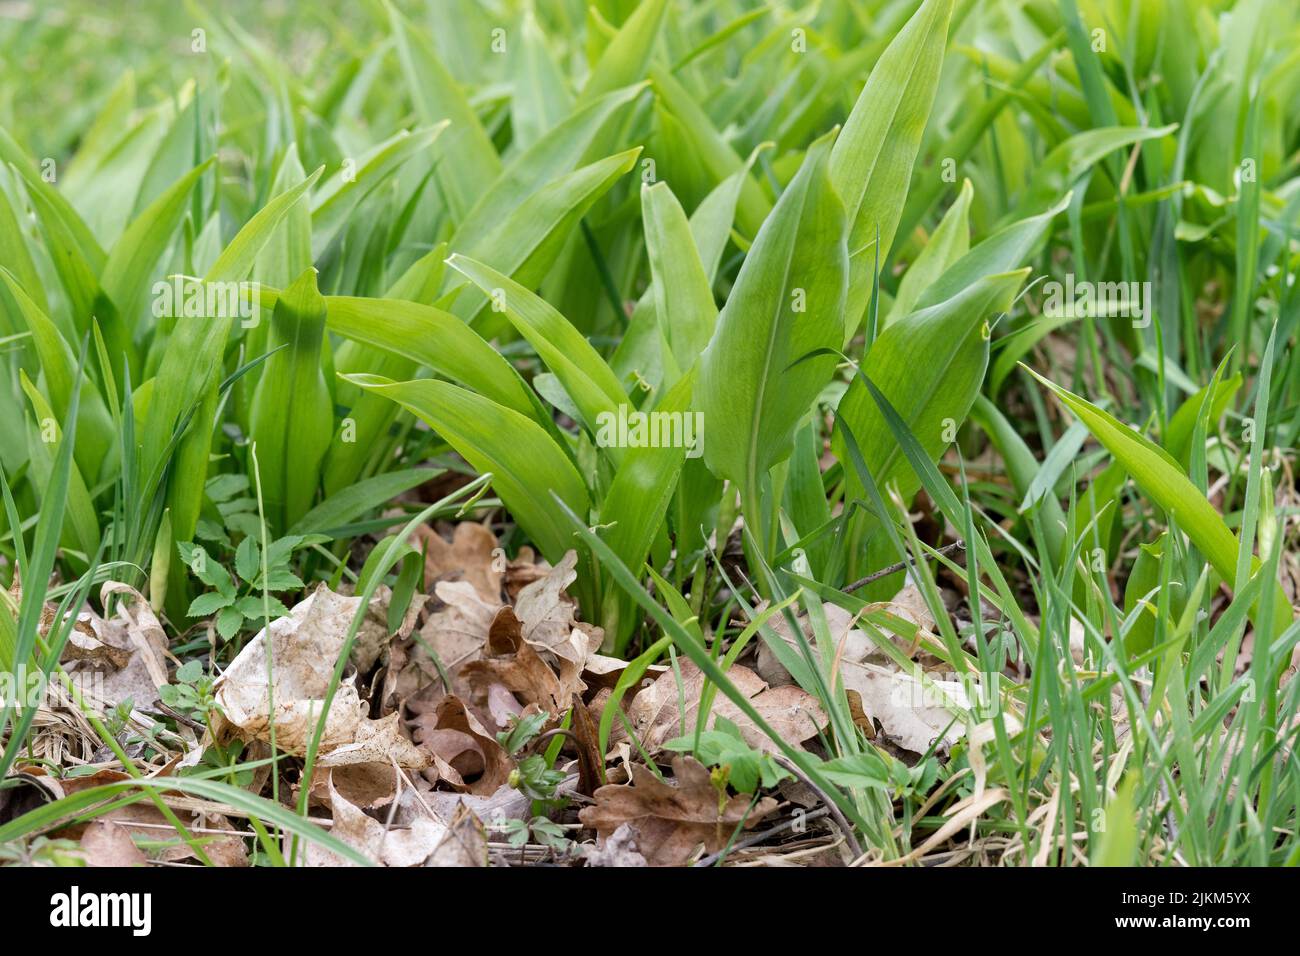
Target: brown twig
x: 758, y: 838
x: 827, y: 801
x: 946, y: 550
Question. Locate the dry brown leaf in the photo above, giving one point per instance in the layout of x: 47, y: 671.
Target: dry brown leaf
x: 523, y: 571
x: 106, y: 843
x: 373, y: 637
x: 507, y: 803
x: 673, y: 819
x: 455, y: 632
x: 656, y: 712
x: 512, y: 663
x: 122, y: 657
x: 305, y: 646
x: 144, y: 821
x: 468, y: 557
x: 465, y: 843
x: 476, y: 762
x: 87, y: 647
x: 546, y: 614
x: 912, y: 713
x: 397, y: 847
x: 377, y: 740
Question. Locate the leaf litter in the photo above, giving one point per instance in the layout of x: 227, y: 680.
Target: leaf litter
x: 413, y: 762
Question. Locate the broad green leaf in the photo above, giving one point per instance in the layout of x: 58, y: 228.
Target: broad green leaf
x: 83, y: 240
x: 639, y: 352
x: 541, y: 97
x: 352, y: 502
x: 634, y: 508
x: 871, y: 163
x: 338, y: 197
x: 191, y: 368
x: 292, y: 417
x: 94, y: 435
x: 683, y: 294
x: 527, y: 465
x: 1063, y: 166
x: 134, y: 257
x: 945, y: 247
x: 16, y: 256
x: 1177, y: 439
x: 82, y: 528
x: 77, y: 275
x: 362, y: 436
x: 628, y: 55
x: 1118, y: 845
x: 1008, y: 248
x: 787, y: 302
x: 527, y: 242
x: 554, y: 155
x: 583, y: 373
x: 428, y: 336
x: 929, y: 366
x: 707, y: 147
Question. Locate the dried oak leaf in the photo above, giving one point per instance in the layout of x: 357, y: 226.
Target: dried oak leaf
x: 547, y: 615
x: 476, y: 762
x: 673, y: 819
x: 397, y: 847
x: 523, y: 570
x: 305, y: 646
x: 656, y: 712
x: 511, y: 663
x: 455, y: 631
x: 465, y: 843
x: 469, y: 557
x: 373, y: 637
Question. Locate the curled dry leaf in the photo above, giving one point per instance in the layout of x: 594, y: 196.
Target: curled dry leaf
x: 304, y: 648
x: 122, y: 657
x: 373, y: 637
x: 523, y: 571
x: 509, y: 661
x: 497, y: 658
x: 546, y: 615
x: 396, y: 846
x: 83, y: 645
x: 656, y: 712
x: 453, y: 633
x: 673, y: 819
x: 474, y: 760
x: 465, y: 843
